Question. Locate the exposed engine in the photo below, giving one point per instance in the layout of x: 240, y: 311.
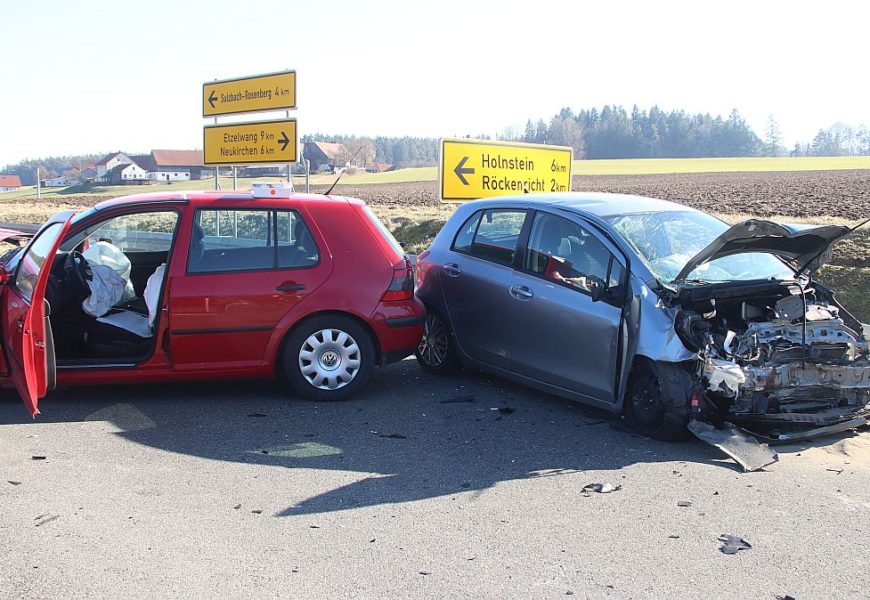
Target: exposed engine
x: 789, y: 355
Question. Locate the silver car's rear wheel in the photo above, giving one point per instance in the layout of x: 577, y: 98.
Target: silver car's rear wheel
x: 329, y: 358
x: 436, y: 352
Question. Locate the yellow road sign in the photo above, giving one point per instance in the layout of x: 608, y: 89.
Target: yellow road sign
x: 275, y: 91
x: 268, y: 142
x: 472, y: 169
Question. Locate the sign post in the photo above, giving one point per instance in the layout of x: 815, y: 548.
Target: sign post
x: 261, y: 142
x: 470, y: 169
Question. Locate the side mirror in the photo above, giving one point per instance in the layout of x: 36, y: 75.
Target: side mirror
x: 596, y: 288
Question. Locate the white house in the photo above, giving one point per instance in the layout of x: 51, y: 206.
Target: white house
x: 9, y: 183
x: 126, y: 174
x: 59, y: 181
x: 109, y: 162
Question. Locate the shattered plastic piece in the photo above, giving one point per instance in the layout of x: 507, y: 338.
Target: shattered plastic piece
x: 257, y: 511
x: 684, y: 503
x: 748, y: 453
x: 601, y: 488
x: 258, y: 414
x: 43, y: 519
x: 237, y: 506
x: 37, y: 457
x: 393, y: 436
x: 457, y: 400
x: 731, y: 544
x: 13, y: 482
x: 505, y: 410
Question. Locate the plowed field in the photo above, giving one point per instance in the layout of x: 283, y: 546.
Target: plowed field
x: 412, y: 211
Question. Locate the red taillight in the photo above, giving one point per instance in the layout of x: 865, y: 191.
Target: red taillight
x: 402, y: 286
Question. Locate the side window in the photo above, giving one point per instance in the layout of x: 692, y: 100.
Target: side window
x: 465, y: 236
x: 33, y: 260
x: 225, y: 240
x: 139, y: 232
x: 296, y: 247
x: 565, y: 252
x: 495, y: 235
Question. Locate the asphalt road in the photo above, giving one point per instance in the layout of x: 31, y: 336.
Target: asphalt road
x: 419, y: 488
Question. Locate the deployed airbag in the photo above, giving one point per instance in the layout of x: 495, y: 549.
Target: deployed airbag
x: 107, y: 289
x: 104, y: 253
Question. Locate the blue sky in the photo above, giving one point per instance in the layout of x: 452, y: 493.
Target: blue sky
x: 81, y: 77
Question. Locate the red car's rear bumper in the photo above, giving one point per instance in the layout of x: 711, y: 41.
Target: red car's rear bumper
x: 399, y: 327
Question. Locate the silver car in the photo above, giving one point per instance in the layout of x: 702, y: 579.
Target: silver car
x: 647, y: 306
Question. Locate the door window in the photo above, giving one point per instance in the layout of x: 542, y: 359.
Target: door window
x: 491, y: 235
x: 248, y: 240
x: 565, y: 252
x: 138, y: 232
x: 33, y: 259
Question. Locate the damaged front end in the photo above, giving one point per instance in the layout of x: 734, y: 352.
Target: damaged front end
x: 780, y: 359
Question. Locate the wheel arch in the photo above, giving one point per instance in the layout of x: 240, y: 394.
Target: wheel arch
x: 282, y: 344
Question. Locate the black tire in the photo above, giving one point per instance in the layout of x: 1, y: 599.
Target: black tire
x: 322, y: 352
x: 436, y: 352
x: 658, y: 400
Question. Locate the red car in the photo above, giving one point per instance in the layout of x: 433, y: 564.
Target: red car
x: 183, y: 286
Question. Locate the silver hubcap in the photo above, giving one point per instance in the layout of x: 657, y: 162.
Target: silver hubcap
x: 433, y: 346
x: 329, y: 359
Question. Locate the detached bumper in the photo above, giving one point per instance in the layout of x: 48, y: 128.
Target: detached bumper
x: 792, y: 427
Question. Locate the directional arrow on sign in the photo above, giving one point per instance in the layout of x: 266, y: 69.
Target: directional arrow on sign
x: 212, y: 98
x: 283, y: 140
x: 461, y: 170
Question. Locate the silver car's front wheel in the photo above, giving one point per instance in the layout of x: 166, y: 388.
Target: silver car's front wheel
x: 329, y: 358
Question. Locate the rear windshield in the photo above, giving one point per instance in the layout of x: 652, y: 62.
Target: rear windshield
x: 394, y: 243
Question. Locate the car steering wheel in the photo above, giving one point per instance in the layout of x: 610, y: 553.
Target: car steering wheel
x: 78, y: 272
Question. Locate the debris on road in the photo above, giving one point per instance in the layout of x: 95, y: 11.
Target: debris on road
x: 837, y: 471
x: 684, y: 503
x: 731, y: 544
x: 601, y: 488
x: 237, y: 506
x: 393, y: 436
x: 37, y: 457
x: 457, y: 400
x: 46, y: 518
x: 13, y: 482
x: 746, y: 450
x: 258, y: 414
x: 257, y: 511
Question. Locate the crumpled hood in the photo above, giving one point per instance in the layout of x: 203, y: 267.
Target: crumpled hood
x: 803, y: 249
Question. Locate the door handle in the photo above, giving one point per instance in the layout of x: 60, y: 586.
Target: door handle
x: 521, y: 292
x: 290, y: 287
x: 452, y: 270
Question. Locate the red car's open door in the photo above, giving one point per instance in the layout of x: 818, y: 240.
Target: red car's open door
x: 26, y: 331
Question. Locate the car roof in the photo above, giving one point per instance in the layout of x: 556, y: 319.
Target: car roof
x: 163, y: 197
x: 597, y: 203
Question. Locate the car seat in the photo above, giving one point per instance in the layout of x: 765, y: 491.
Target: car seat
x: 126, y: 333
